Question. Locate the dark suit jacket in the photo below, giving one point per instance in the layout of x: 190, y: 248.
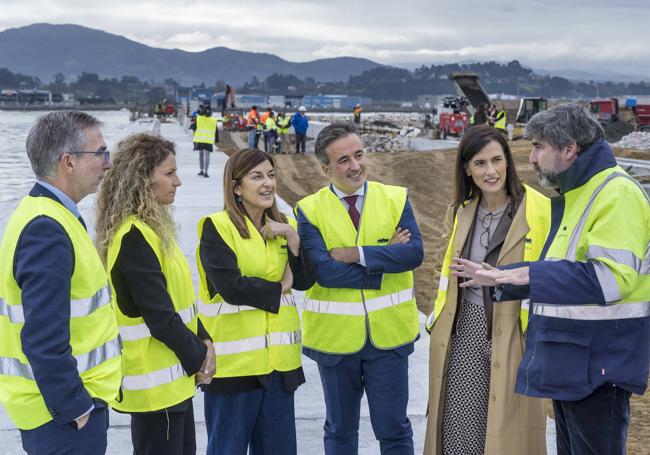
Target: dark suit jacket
x: 43, y: 267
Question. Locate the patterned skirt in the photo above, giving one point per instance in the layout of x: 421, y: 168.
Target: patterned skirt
x: 468, y: 385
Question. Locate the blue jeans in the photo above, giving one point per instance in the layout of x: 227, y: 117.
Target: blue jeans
x: 53, y: 438
x: 384, y: 377
x: 596, y: 424
x: 263, y: 420
x: 251, y: 138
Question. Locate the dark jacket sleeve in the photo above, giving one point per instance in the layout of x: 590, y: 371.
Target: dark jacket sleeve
x: 225, y: 278
x: 397, y: 258
x: 43, y: 268
x: 331, y: 273
x: 304, y: 274
x: 141, y: 290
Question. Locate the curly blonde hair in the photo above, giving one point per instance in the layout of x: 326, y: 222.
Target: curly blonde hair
x: 126, y: 190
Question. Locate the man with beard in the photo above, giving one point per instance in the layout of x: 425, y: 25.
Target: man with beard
x: 360, y: 319
x: 588, y: 340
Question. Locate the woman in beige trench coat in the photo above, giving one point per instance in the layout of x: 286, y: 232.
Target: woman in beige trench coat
x: 483, y: 343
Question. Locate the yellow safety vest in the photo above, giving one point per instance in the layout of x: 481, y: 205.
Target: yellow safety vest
x: 538, y: 218
x: 153, y: 376
x: 283, y: 125
x: 249, y: 341
x: 93, y: 331
x: 335, y: 319
x: 269, y: 124
x: 623, y: 266
x: 500, y: 123
x: 205, y: 129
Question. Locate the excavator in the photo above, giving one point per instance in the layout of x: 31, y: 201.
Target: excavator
x: 468, y: 84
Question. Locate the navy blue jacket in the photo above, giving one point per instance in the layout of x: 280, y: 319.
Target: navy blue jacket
x: 567, y: 359
x: 379, y: 260
x: 43, y: 267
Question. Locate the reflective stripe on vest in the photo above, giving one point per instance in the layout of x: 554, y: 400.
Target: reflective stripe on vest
x: 629, y: 310
x: 153, y: 379
x: 259, y: 342
x: 359, y: 308
x: 605, y: 276
x: 137, y: 332
x: 85, y: 362
x: 78, y: 308
x: 212, y: 310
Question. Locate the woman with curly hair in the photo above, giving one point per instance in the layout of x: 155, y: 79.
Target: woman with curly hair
x: 164, y: 343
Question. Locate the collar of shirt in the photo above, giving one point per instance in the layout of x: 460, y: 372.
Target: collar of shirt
x: 67, y: 202
x: 361, y: 192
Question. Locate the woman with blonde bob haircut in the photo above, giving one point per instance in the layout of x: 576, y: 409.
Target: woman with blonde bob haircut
x: 166, y: 350
x: 249, y: 258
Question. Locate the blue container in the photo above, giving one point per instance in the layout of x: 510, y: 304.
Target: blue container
x: 630, y: 103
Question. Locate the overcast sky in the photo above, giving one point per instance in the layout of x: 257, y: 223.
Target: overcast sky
x: 602, y: 36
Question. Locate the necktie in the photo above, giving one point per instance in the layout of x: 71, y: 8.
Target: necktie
x: 352, y: 210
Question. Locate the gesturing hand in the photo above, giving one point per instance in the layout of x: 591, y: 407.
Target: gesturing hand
x: 400, y: 236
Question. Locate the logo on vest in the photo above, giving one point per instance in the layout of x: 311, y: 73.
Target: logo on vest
x: 382, y: 240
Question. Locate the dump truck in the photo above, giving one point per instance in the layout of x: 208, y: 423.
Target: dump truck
x: 605, y: 109
x: 468, y: 84
x: 642, y: 117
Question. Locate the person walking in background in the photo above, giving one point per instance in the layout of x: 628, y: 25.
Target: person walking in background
x: 587, y: 343
x: 270, y: 131
x: 205, y: 135
x: 249, y: 258
x: 476, y: 346
x: 252, y: 120
x: 59, y: 341
x: 360, y: 319
x: 284, y: 122
x: 164, y: 342
x: 357, y: 114
x: 300, y: 124
x: 501, y: 119
x: 228, y: 94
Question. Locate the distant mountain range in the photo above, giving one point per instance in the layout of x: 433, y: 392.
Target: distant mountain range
x: 44, y: 50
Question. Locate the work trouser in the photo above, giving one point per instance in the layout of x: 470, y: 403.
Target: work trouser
x: 596, y: 424
x: 301, y: 142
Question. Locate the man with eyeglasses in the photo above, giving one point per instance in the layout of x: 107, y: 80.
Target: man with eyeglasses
x: 59, y: 344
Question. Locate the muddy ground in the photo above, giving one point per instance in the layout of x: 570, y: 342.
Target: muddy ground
x: 428, y: 176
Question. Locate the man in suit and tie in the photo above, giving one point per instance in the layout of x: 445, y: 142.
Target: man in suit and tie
x: 360, y: 319
x: 59, y: 343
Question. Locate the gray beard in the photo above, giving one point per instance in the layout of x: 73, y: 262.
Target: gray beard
x: 547, y: 179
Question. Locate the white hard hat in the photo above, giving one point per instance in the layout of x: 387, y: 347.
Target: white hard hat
x: 302, y: 109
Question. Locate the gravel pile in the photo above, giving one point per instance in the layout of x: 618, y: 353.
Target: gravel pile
x: 636, y: 140
x: 384, y: 143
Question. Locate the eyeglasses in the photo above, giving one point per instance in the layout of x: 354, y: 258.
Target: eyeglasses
x: 102, y: 151
x: 486, y: 221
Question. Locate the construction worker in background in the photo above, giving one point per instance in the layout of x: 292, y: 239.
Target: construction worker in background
x: 229, y: 93
x: 501, y: 119
x: 284, y: 122
x: 300, y: 124
x: 205, y: 135
x: 360, y: 319
x: 252, y: 120
x: 357, y: 114
x: 59, y: 340
x: 587, y: 342
x: 263, y: 119
x: 270, y: 133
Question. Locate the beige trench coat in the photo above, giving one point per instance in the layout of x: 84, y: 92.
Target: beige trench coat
x: 516, y: 424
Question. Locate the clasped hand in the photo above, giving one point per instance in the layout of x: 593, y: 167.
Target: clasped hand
x: 209, y: 367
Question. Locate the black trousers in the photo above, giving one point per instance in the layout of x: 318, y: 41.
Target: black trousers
x: 169, y: 433
x: 301, y: 142
x: 596, y: 424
